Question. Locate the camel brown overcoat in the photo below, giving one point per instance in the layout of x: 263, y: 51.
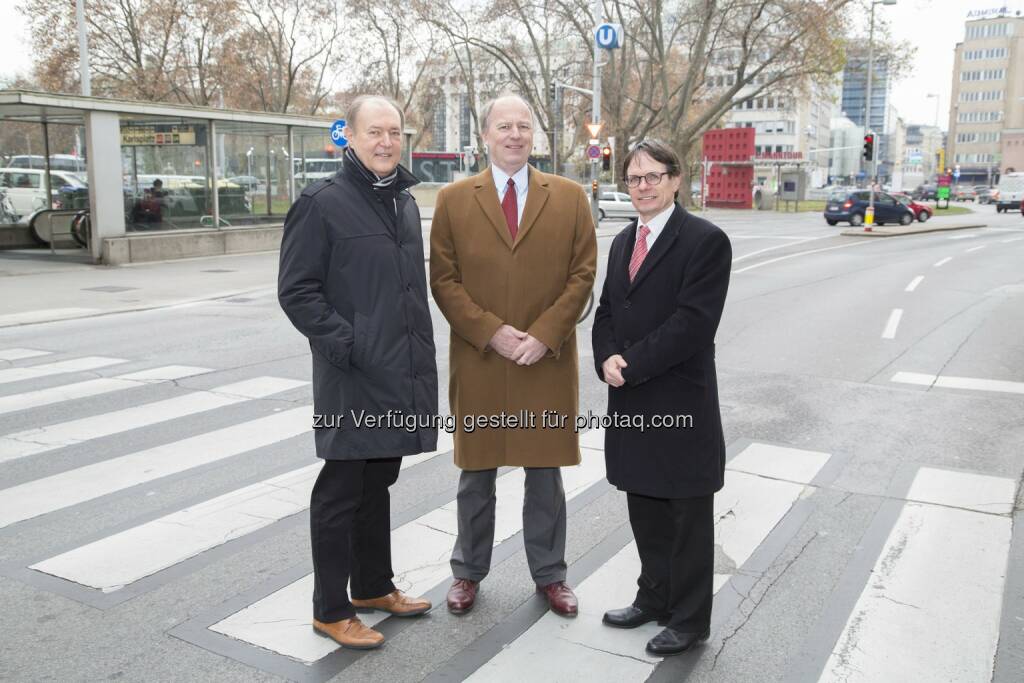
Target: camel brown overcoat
x: 540, y: 283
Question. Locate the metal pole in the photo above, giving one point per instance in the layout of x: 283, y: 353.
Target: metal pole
x: 872, y: 164
x: 83, y: 48
x: 266, y: 139
x: 46, y: 168
x: 291, y: 165
x: 212, y: 169
x: 596, y: 111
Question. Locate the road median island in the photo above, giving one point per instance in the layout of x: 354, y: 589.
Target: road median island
x: 913, y: 229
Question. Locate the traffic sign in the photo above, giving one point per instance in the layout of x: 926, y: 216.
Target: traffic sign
x: 594, y: 152
x: 608, y: 36
x: 594, y: 129
x: 338, y: 133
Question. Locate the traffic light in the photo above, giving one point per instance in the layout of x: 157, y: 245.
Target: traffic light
x: 552, y: 92
x: 869, y: 147
x: 606, y: 158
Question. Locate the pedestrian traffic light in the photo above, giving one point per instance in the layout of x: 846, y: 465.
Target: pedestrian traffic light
x: 869, y: 146
x: 606, y: 158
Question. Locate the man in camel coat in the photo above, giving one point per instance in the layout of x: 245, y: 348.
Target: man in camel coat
x: 513, y: 255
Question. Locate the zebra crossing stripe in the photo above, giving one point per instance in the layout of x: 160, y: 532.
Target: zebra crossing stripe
x: 44, y: 439
x: 940, y: 575
x: 21, y: 354
x: 753, y: 501
x: 9, y: 375
x: 96, y: 387
x: 116, y: 561
x: 421, y: 549
x: 59, y: 491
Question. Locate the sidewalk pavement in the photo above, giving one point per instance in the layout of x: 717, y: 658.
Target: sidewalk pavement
x: 39, y: 288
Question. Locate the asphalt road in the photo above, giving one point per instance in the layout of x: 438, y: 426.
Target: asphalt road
x: 873, y: 402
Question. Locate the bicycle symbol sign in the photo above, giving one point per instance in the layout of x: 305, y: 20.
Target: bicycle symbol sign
x: 338, y: 133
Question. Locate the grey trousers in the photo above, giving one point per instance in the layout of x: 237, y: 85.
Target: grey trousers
x: 543, y: 524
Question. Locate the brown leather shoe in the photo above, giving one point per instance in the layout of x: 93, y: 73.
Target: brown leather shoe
x: 462, y: 595
x: 350, y: 633
x: 561, y: 599
x: 396, y: 602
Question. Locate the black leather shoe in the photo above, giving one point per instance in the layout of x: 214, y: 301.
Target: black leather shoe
x: 672, y: 642
x: 631, y: 617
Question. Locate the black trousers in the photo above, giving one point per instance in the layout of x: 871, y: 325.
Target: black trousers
x: 350, y: 530
x: 676, y: 541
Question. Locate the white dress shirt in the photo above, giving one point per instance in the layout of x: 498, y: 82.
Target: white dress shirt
x: 656, y: 225
x: 522, y: 180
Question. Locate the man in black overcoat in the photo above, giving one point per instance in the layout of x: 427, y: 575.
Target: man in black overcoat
x: 352, y: 280
x: 654, y: 333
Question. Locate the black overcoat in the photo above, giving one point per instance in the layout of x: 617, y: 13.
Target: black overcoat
x: 352, y: 280
x: 664, y: 324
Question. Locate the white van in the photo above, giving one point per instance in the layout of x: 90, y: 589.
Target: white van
x: 26, y: 188
x: 1011, y: 192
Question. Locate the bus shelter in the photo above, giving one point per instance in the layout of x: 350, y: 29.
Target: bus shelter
x: 190, y: 179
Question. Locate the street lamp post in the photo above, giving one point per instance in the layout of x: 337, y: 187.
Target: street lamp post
x: 873, y: 163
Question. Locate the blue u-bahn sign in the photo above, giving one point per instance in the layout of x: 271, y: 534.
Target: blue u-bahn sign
x: 608, y: 36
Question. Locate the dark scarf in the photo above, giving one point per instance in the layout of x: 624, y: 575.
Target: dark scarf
x: 375, y: 181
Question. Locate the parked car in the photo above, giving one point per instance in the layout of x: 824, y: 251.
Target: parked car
x: 850, y: 207
x: 26, y: 187
x: 1011, y: 192
x: 985, y: 194
x: 921, y: 211
x: 615, y: 205
x: 58, y: 162
x: 962, y: 193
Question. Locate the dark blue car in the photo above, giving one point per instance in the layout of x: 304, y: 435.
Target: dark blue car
x: 851, y: 206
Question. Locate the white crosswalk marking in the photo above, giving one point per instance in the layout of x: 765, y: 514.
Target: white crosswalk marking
x: 750, y: 505
x: 96, y: 387
x: 421, y: 550
x: 940, y: 575
x: 58, y: 491
x: 116, y: 561
x: 43, y: 439
x: 21, y: 354
x: 9, y: 375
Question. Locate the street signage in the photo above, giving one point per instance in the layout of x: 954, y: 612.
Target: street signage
x: 608, y: 36
x: 338, y: 133
x: 594, y: 129
x: 593, y: 152
x: 159, y: 135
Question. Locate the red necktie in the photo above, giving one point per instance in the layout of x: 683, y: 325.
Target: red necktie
x: 511, y: 208
x: 639, y: 251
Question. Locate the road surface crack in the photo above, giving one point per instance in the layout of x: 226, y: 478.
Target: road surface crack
x: 607, y: 652
x: 747, y: 615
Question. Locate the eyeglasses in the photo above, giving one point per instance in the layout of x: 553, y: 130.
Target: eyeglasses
x: 651, y: 178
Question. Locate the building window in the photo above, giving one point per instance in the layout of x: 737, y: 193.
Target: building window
x: 439, y: 127
x: 465, y: 118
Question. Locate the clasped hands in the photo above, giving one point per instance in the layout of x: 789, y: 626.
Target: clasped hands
x: 518, y: 346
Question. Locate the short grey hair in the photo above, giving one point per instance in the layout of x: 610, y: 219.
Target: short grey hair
x: 485, y: 111
x: 357, y: 104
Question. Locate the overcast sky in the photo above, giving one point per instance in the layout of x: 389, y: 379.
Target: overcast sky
x: 933, y: 26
